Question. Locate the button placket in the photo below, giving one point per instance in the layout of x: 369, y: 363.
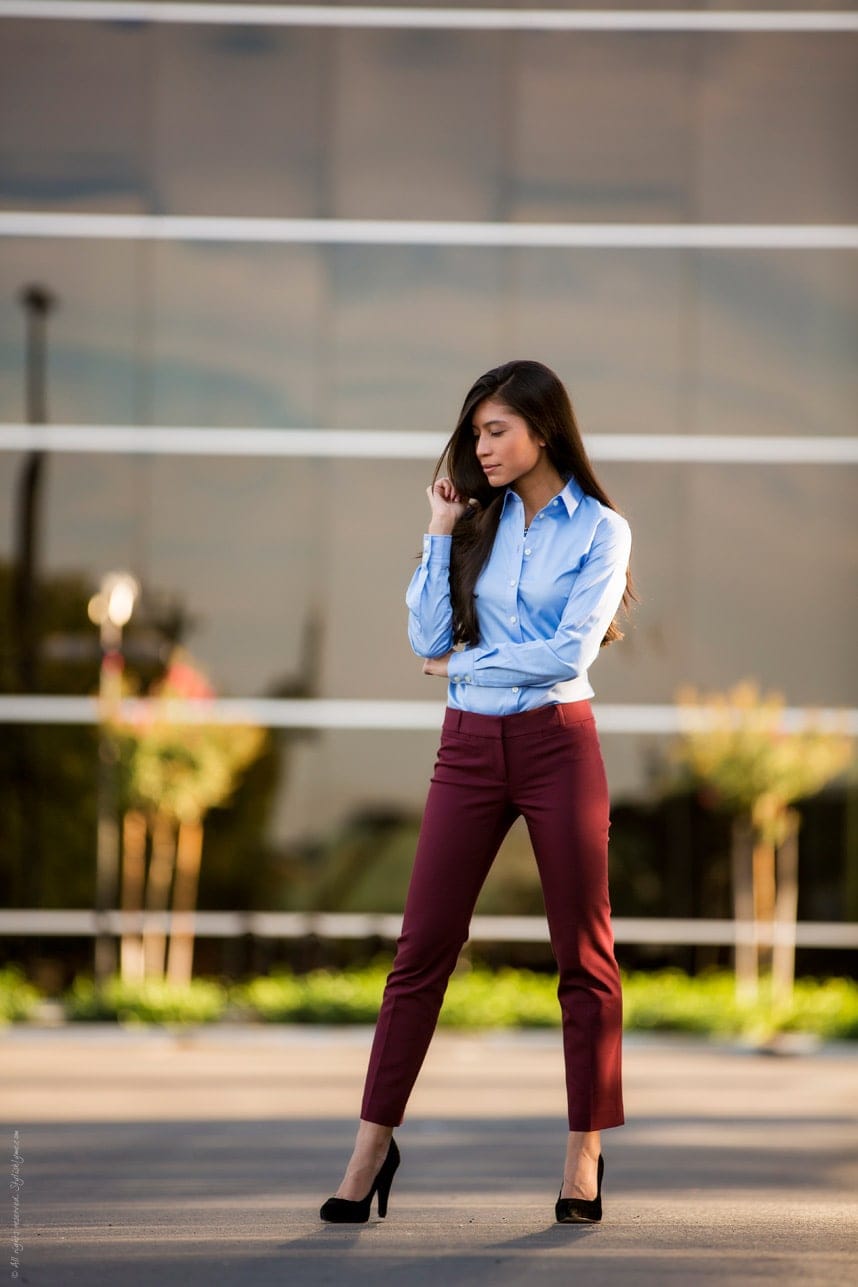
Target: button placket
x: 513, y: 581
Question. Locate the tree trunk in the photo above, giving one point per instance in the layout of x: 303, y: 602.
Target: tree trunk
x: 158, y: 892
x: 764, y: 897
x: 188, y: 856
x: 746, y: 954
x: 131, y: 894
x: 850, y: 853
x: 786, y: 913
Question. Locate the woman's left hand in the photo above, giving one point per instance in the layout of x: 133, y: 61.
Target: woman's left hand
x: 437, y: 665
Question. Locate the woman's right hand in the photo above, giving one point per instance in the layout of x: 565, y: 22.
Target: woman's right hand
x: 447, y: 504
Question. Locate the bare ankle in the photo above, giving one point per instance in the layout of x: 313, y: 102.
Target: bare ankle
x: 372, y: 1137
x: 371, y: 1144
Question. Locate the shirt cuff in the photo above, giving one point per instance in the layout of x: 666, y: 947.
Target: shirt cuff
x: 460, y: 668
x: 436, y: 549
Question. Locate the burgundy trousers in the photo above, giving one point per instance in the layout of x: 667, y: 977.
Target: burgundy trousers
x: 547, y: 765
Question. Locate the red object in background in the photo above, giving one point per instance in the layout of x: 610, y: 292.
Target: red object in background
x: 182, y: 680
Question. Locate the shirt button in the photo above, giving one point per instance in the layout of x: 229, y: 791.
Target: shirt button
x: 512, y: 619
x: 512, y: 582
x: 527, y: 551
x: 555, y: 502
x: 515, y: 690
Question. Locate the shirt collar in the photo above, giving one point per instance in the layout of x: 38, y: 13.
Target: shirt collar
x: 571, y: 496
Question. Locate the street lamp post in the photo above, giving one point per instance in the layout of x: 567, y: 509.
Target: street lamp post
x: 110, y: 609
x: 24, y: 631
x: 38, y: 303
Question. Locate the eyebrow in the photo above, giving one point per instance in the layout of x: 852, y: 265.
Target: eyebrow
x: 489, y: 422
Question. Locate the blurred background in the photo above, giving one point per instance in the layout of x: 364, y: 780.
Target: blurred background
x: 282, y: 573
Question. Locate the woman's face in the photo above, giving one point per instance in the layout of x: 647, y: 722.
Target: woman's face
x: 506, y: 447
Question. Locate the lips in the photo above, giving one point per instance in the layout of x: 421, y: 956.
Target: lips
x: 490, y: 469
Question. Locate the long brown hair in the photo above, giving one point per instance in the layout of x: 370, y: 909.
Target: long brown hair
x: 536, y: 394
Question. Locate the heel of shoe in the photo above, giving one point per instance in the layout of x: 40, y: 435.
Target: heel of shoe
x: 384, y: 1180
x: 383, y: 1195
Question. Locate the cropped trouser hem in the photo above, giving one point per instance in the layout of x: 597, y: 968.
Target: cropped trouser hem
x: 545, y: 764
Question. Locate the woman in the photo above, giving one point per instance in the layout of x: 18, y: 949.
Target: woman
x: 525, y: 564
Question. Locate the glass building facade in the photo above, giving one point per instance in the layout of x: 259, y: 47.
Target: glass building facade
x: 744, y: 568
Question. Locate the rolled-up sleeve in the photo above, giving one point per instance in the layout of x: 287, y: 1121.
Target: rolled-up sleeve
x: 430, y: 613
x: 589, y: 610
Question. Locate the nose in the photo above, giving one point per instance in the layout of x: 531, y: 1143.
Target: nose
x: 483, y: 447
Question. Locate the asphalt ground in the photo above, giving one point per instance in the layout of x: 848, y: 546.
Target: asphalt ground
x: 148, y: 1157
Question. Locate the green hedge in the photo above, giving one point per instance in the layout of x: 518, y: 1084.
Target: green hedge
x: 18, y: 998
x: 665, y: 1000
x: 152, y: 1001
x: 661, y: 1001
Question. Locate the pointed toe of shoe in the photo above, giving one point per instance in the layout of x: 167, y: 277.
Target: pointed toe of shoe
x: 581, y: 1210
x: 342, y: 1211
x: 577, y: 1211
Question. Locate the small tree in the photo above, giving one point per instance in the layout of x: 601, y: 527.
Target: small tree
x: 737, y: 752
x: 173, y: 774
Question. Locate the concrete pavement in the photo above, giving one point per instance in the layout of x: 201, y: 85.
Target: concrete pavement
x: 153, y: 1158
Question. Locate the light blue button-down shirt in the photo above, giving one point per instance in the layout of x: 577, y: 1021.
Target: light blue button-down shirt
x: 544, y: 601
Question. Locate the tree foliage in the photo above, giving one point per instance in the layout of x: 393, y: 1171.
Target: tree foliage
x: 735, y: 748
x: 181, y: 769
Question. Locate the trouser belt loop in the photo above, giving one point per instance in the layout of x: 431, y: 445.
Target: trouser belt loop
x: 459, y: 720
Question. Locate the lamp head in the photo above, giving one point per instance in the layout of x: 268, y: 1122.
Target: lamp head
x: 115, y: 600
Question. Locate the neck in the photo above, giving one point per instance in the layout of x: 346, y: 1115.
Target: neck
x: 536, y: 489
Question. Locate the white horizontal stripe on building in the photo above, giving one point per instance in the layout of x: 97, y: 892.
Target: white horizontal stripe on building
x: 393, y: 444
x: 426, y: 232
x: 380, y: 713
x: 278, y: 15
x: 83, y: 922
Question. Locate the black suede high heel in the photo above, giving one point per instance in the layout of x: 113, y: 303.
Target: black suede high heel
x: 581, y: 1210
x: 348, y: 1211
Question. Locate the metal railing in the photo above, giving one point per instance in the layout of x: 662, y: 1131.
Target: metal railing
x: 86, y: 923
